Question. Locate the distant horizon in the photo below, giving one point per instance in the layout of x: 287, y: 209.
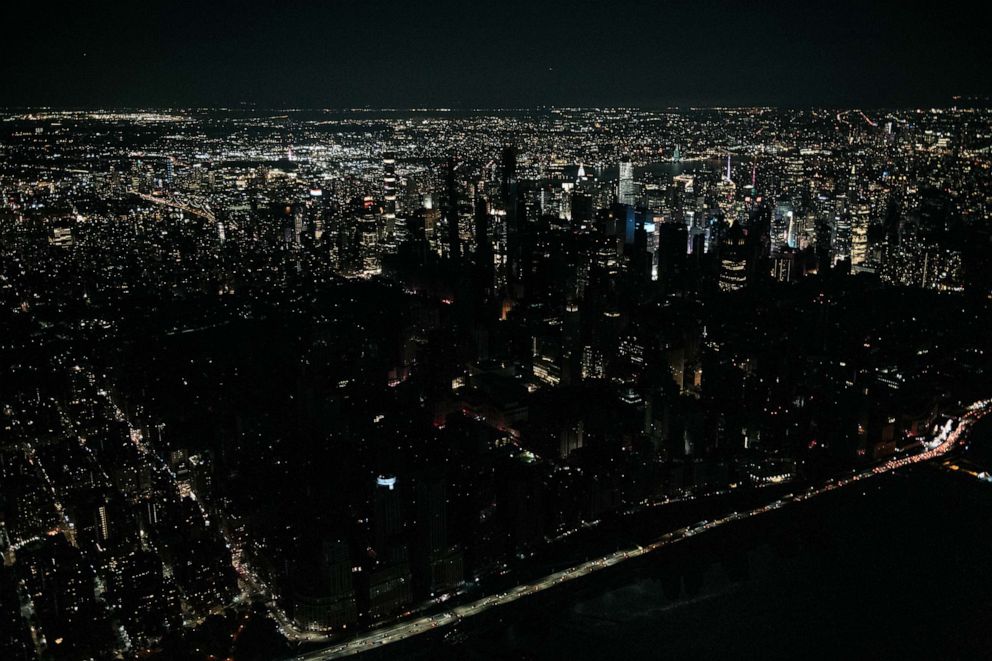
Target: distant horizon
x: 973, y: 101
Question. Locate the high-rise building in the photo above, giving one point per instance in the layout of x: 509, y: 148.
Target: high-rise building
x: 387, y: 516
x: 451, y: 213
x: 389, y: 191
x: 625, y: 188
x: 784, y: 227
x: 840, y: 238
x: 859, y: 236
x: 733, y: 258
x: 511, y: 205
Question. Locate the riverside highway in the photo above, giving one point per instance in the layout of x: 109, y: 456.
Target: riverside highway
x: 949, y: 437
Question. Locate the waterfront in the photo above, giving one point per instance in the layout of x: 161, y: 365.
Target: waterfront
x: 892, y: 567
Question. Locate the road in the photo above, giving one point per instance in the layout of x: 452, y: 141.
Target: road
x: 191, y: 207
x: 947, y: 439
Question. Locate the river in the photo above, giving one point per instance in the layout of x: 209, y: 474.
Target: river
x: 899, y: 566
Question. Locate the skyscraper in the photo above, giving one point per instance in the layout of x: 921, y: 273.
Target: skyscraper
x: 511, y: 205
x: 389, y: 188
x: 387, y: 518
x: 451, y: 213
x: 733, y: 258
x: 625, y: 189
x: 859, y: 236
x: 784, y: 228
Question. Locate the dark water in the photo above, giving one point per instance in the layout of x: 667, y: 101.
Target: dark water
x: 898, y: 568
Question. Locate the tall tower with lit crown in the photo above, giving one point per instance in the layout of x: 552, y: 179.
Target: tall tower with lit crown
x: 389, y: 185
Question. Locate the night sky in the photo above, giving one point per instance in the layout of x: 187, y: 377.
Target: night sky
x: 436, y: 53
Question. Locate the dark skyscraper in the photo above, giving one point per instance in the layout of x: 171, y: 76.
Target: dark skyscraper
x: 483, y: 252
x: 510, y: 196
x: 451, y: 212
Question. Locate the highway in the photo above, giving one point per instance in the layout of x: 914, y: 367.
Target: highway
x: 949, y: 437
x: 194, y: 208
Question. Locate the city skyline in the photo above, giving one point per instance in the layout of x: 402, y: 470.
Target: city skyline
x: 343, y: 380
x: 545, y: 330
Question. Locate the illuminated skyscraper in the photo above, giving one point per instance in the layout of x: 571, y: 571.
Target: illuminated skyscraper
x: 840, y: 238
x: 389, y: 187
x: 733, y: 258
x: 859, y: 236
x: 625, y: 189
x: 784, y: 227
